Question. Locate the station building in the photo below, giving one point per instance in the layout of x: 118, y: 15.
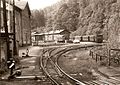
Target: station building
x: 51, y: 36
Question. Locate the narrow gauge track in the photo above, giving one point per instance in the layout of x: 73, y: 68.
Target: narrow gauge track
x: 57, y: 78
x: 94, y: 82
x: 60, y: 78
x: 42, y: 62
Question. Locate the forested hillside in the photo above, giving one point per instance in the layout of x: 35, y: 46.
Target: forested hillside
x: 85, y: 17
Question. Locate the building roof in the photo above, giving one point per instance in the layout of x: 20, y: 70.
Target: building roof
x: 21, y: 4
x: 55, y: 32
x: 50, y: 32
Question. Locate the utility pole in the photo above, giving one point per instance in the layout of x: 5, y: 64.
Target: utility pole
x: 6, y: 30
x: 0, y: 34
x: 9, y: 25
x: 109, y: 56
x: 14, y: 31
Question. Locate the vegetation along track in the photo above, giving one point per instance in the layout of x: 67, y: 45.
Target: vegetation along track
x: 93, y: 82
x: 50, y: 62
x: 43, y: 67
x: 56, y: 74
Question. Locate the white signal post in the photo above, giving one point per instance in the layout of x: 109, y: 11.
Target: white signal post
x: 11, y: 65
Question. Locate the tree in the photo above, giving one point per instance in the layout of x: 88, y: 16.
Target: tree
x: 38, y: 19
x: 67, y: 16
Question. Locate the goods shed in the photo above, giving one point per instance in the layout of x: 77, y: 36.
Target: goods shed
x: 51, y: 36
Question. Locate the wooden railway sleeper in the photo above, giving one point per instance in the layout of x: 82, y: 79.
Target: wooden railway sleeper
x: 56, y: 68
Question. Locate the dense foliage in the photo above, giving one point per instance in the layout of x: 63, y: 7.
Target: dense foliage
x: 84, y: 17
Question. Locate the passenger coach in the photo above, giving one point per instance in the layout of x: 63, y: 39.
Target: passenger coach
x: 89, y: 38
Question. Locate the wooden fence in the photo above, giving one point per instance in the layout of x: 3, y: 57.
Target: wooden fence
x: 113, y: 57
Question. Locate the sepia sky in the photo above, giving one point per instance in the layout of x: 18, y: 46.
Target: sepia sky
x: 40, y: 4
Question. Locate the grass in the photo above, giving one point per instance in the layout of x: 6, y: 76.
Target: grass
x: 78, y: 61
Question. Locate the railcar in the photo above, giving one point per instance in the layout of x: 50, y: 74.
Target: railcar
x: 99, y: 38
x: 77, y: 39
x: 90, y: 38
x: 85, y: 38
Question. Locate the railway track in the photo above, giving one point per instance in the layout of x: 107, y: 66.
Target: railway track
x: 60, y: 77
x: 43, y: 67
x: 53, y: 74
x: 57, y: 75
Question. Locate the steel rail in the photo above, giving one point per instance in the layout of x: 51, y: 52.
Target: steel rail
x: 57, y: 66
x: 46, y: 72
x: 77, y: 81
x: 67, y: 75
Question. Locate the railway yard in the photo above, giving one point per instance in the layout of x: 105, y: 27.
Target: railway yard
x: 68, y: 64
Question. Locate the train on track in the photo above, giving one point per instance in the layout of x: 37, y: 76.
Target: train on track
x: 89, y: 38
x: 76, y: 39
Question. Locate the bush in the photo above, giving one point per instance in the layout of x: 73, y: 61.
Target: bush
x: 103, y: 63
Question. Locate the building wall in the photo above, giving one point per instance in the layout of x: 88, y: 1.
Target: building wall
x: 18, y: 27
x: 57, y: 37
x: 38, y: 38
x: 49, y: 37
x: 3, y: 53
x: 3, y: 48
x: 26, y: 26
x: 22, y: 26
x: 64, y: 35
